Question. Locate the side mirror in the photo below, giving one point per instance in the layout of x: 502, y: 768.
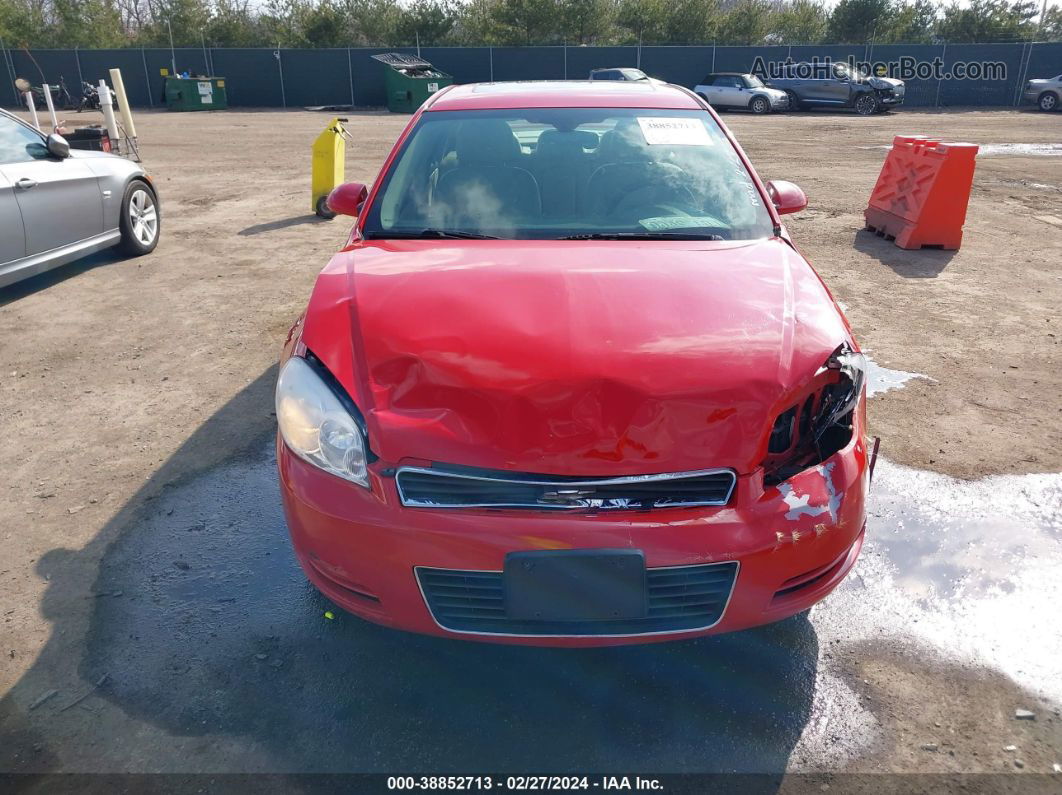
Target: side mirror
x: 786, y: 197
x: 58, y: 147
x: 346, y: 199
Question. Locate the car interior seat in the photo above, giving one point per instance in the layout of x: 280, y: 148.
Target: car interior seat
x: 489, y: 185
x: 561, y: 164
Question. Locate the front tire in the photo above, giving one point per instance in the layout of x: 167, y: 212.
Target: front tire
x: 794, y: 102
x: 867, y: 105
x: 140, y: 222
x: 760, y: 106
x: 1047, y: 101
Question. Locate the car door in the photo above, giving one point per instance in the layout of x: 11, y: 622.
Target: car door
x: 12, y: 238
x: 734, y: 92
x: 838, y: 86
x: 59, y: 199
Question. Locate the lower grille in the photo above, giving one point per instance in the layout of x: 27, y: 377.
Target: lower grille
x: 450, y: 488
x: 680, y: 598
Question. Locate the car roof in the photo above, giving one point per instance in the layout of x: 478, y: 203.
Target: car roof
x: 563, y: 94
x: 729, y: 74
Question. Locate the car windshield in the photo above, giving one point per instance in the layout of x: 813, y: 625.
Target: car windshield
x: 753, y: 81
x: 634, y: 74
x: 550, y: 173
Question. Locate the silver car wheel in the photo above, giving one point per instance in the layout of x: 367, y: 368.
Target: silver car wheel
x: 1048, y: 102
x: 143, y: 217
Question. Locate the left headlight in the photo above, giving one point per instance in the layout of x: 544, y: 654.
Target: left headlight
x: 847, y: 393
x: 316, y: 426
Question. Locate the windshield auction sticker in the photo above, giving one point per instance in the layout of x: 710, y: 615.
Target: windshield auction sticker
x: 673, y: 131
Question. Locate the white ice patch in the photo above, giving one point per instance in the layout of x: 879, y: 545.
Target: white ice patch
x: 966, y: 571
x: 882, y: 379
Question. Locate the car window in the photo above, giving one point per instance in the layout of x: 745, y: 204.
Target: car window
x: 753, y: 82
x: 548, y: 173
x: 634, y: 74
x: 729, y: 81
x: 610, y: 74
x: 19, y: 144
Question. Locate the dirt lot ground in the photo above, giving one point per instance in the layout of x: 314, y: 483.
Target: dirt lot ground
x: 109, y: 367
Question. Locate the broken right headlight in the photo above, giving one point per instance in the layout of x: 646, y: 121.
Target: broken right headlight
x: 821, y: 423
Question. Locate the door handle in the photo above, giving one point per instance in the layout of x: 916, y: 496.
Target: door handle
x: 26, y: 183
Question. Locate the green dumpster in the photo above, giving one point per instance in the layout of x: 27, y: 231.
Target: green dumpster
x: 409, y: 81
x: 195, y: 93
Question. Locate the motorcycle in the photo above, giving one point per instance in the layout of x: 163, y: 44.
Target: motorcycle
x: 61, y: 99
x: 90, y: 97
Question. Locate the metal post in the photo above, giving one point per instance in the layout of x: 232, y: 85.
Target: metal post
x: 77, y: 59
x: 147, y: 79
x: 206, y: 60
x: 943, y: 52
x: 638, y: 56
x: 491, y: 51
x: 713, y: 55
x: 173, y: 54
x: 280, y: 71
x: 565, y: 60
x: 417, y: 34
x: 350, y: 74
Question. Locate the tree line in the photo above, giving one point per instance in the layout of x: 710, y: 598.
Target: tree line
x: 348, y: 23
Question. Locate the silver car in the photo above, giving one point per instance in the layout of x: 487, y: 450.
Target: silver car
x: 58, y: 204
x: 741, y: 90
x: 1046, y: 93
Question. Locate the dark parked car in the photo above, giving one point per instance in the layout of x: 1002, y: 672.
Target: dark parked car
x: 826, y: 85
x: 625, y: 73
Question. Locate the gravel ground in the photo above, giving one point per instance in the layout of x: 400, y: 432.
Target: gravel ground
x: 130, y: 386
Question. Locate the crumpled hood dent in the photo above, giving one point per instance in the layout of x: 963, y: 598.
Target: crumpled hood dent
x: 572, y: 359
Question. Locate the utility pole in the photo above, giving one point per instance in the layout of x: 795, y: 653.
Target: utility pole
x: 173, y: 55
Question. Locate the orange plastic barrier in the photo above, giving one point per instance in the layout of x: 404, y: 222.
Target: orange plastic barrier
x: 922, y: 192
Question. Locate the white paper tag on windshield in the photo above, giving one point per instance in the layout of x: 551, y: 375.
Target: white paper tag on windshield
x: 674, y: 131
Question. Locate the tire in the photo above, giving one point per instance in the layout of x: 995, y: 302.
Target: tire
x: 760, y: 105
x: 867, y: 105
x: 322, y: 208
x: 1047, y: 101
x: 794, y: 101
x: 141, y: 221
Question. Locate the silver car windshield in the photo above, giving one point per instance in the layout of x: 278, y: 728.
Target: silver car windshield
x: 552, y: 173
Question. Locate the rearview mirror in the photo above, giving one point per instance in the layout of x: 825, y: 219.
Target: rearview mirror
x: 786, y: 197
x: 58, y: 147
x: 346, y: 199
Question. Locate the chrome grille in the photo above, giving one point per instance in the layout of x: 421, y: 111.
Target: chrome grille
x: 449, y: 488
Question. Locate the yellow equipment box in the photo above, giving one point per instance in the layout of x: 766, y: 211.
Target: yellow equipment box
x: 329, y: 165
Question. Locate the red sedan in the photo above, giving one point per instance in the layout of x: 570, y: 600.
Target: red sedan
x: 570, y: 382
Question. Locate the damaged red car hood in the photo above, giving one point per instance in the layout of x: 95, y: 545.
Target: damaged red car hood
x: 572, y: 358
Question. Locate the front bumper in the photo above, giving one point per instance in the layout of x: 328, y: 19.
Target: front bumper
x: 792, y: 545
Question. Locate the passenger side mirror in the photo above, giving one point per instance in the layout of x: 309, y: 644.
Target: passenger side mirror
x: 346, y: 199
x: 58, y: 147
x: 786, y: 197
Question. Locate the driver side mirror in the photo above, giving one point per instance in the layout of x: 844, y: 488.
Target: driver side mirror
x: 786, y: 197
x: 58, y: 146
x: 347, y: 199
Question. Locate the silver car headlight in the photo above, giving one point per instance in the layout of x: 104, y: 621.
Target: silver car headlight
x: 316, y: 426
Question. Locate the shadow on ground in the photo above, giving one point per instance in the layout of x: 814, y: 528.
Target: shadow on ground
x: 202, y: 625
x: 42, y: 281
x: 283, y: 223
x: 926, y: 263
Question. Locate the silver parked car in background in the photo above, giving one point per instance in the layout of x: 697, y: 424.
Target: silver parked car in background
x: 58, y: 204
x: 741, y: 90
x: 1047, y: 93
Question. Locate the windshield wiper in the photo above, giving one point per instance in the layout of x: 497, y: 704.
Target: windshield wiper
x: 644, y: 236
x: 429, y: 233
